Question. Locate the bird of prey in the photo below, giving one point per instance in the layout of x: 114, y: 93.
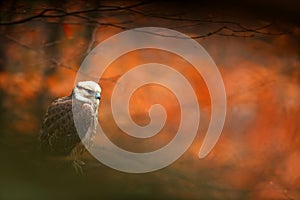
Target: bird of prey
x: 68, y: 118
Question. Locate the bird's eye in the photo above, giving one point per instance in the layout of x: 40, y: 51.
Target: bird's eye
x: 90, y: 91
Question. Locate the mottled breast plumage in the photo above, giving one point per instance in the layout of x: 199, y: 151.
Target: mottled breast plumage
x: 69, y: 125
x: 58, y: 133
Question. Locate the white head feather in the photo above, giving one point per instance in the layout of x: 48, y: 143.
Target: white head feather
x: 88, y: 92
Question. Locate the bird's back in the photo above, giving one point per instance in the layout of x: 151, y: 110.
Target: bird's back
x: 58, y: 132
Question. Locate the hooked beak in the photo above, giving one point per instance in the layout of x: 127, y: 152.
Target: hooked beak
x: 97, y: 95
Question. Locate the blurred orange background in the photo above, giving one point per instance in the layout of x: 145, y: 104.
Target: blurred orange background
x: 257, y: 155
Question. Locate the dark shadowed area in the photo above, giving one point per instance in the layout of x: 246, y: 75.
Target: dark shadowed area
x: 256, y: 46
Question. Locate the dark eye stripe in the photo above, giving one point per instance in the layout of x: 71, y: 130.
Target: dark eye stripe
x: 89, y: 91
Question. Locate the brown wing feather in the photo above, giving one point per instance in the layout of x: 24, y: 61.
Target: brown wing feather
x: 58, y: 132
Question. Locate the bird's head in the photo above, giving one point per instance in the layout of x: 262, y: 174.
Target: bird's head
x: 87, y: 91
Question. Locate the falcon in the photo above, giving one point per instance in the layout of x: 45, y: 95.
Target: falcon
x: 70, y: 122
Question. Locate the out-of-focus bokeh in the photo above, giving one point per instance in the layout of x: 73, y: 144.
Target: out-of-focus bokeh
x: 256, y: 48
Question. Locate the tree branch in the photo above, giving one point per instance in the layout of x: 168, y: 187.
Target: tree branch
x: 62, y: 13
x: 227, y: 28
x: 242, y: 28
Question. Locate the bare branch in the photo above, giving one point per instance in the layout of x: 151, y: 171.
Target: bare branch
x: 227, y: 28
x: 95, y: 21
x: 56, y: 63
x: 59, y: 64
x: 242, y: 28
x: 61, y: 13
x: 210, y: 33
x: 18, y: 42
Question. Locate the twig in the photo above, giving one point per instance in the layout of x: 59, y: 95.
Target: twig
x: 241, y: 27
x: 62, y: 13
